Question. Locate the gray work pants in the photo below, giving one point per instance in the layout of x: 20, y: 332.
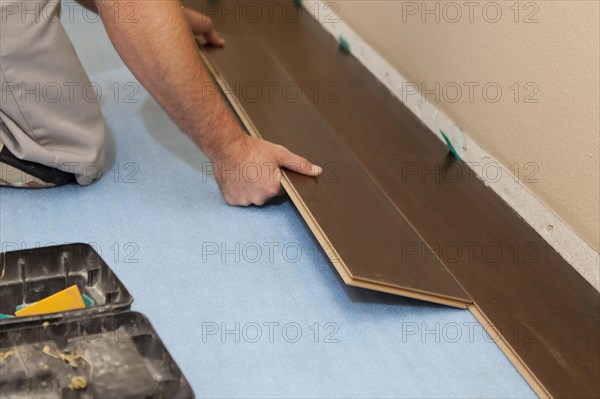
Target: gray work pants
x: 49, y: 113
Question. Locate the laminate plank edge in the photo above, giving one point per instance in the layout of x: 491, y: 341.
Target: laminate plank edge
x: 337, y: 260
x: 510, y: 353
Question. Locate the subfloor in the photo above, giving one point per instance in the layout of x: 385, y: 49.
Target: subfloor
x: 244, y: 299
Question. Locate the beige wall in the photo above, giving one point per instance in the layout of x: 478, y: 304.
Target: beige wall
x: 556, y: 53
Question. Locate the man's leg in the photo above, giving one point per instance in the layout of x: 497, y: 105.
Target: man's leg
x: 49, y: 112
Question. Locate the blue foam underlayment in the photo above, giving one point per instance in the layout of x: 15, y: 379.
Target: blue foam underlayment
x: 157, y: 217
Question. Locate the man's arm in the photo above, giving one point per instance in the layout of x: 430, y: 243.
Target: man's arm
x: 199, y: 23
x: 160, y: 51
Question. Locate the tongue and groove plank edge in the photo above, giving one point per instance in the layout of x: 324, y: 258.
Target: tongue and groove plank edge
x: 359, y: 228
x: 544, y: 310
x: 541, y: 363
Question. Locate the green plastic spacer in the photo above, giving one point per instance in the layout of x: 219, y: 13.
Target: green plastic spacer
x: 344, y: 44
x: 450, y: 146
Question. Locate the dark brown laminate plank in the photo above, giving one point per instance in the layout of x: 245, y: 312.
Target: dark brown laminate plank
x: 361, y: 224
x: 517, y: 296
x: 546, y: 312
x: 357, y: 106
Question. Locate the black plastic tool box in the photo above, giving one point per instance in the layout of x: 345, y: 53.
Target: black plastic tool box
x: 115, y: 352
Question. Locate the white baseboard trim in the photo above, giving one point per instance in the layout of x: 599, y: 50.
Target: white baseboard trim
x: 583, y: 258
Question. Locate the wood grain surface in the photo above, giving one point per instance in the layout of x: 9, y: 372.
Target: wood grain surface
x: 540, y: 306
x: 542, y: 313
x: 362, y: 231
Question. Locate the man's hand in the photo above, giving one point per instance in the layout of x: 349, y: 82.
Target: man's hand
x: 248, y: 170
x: 160, y: 50
x: 200, y: 24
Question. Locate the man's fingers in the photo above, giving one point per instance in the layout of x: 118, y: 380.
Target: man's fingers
x: 203, y: 25
x: 213, y: 38
x: 294, y: 162
x: 210, y: 33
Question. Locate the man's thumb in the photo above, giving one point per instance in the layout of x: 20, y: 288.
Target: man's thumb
x: 298, y: 164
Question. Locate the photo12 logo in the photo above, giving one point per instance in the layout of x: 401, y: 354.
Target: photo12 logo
x: 453, y: 12
x: 68, y: 11
x: 489, y: 92
x: 253, y: 332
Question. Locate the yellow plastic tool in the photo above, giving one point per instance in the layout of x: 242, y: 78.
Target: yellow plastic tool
x: 67, y: 299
